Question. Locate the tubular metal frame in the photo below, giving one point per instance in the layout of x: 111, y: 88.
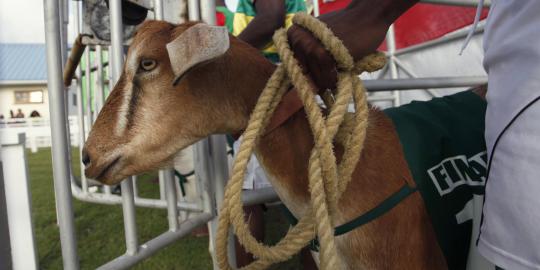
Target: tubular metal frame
x: 393, y: 66
x: 210, y: 158
x: 466, y: 3
x: 201, y: 212
x: 61, y: 173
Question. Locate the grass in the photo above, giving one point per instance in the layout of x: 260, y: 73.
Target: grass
x: 100, y: 230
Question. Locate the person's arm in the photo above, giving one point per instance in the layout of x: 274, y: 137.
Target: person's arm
x: 270, y: 17
x: 362, y: 26
x: 220, y: 3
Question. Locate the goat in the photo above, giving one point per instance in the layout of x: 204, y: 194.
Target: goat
x: 147, y: 119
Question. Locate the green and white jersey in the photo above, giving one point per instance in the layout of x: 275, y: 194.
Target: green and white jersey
x: 443, y: 142
x: 245, y: 12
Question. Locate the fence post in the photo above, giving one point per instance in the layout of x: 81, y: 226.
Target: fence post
x: 5, y: 247
x: 217, y: 153
x: 116, y: 61
x: 391, y: 45
x: 18, y: 203
x: 59, y: 135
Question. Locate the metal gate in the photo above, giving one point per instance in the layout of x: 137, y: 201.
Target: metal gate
x: 210, y: 155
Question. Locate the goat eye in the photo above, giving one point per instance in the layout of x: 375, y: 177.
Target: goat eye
x: 148, y: 64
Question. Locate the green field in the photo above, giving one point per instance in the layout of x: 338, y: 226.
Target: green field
x: 100, y: 230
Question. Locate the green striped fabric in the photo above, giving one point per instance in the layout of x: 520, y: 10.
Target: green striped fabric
x: 247, y: 7
x: 229, y: 16
x: 245, y: 12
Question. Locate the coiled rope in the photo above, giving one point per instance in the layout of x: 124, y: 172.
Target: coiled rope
x: 327, y: 180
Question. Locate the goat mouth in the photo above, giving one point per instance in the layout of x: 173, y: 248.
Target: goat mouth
x: 107, y: 169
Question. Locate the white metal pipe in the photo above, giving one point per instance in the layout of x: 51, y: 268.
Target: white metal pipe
x: 161, y: 184
x: 110, y: 84
x: 117, y: 53
x: 258, y: 196
x: 135, y: 188
x: 217, y: 153
x: 98, y: 93
x: 22, y: 82
x: 111, y: 199
x: 203, y: 175
x: 110, y: 69
x: 61, y: 173
x: 164, y: 175
x: 316, y: 11
x: 80, y: 110
x: 392, y: 68
x: 80, y: 117
x: 142, y: 202
x: 128, y: 209
x: 64, y: 21
x: 422, y: 83
x: 208, y: 11
x: 193, y: 10
x: 88, y: 84
x: 220, y: 175
x: 108, y: 190
x: 154, y: 245
x: 116, y: 61
x: 158, y: 9
x: 442, y: 40
x: 381, y: 98
x: 411, y: 74
x: 382, y: 72
x: 220, y: 170
x: 469, y: 3
x: 218, y: 149
x: 170, y: 188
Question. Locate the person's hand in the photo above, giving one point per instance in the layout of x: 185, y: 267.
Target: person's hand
x: 315, y: 61
x: 361, y: 27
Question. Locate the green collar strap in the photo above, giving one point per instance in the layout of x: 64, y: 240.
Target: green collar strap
x: 367, y: 217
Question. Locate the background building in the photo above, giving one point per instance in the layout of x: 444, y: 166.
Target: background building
x: 23, y: 75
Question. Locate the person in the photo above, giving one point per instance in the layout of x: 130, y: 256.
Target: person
x: 19, y: 114
x: 35, y: 113
x: 509, y: 233
x: 254, y: 22
x: 11, y: 114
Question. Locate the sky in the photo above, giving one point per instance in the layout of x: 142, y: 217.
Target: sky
x: 21, y: 21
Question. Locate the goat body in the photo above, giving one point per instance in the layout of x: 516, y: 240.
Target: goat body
x: 217, y: 98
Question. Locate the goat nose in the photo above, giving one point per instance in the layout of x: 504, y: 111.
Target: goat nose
x: 85, y: 158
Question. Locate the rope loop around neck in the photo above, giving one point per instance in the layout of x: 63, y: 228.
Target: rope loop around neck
x: 327, y: 179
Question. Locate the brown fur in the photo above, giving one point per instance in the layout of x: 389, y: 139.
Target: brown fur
x: 218, y: 98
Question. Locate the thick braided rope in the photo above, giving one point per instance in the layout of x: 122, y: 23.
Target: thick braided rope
x: 232, y: 207
x: 321, y: 155
x: 327, y: 181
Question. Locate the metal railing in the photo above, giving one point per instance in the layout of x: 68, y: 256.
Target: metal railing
x: 202, y: 211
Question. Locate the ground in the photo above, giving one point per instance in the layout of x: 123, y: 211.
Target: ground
x: 100, y: 230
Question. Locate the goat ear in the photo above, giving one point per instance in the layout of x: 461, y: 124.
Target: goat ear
x: 198, y: 44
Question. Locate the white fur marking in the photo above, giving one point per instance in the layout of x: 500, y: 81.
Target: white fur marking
x: 132, y: 64
x: 122, y: 120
